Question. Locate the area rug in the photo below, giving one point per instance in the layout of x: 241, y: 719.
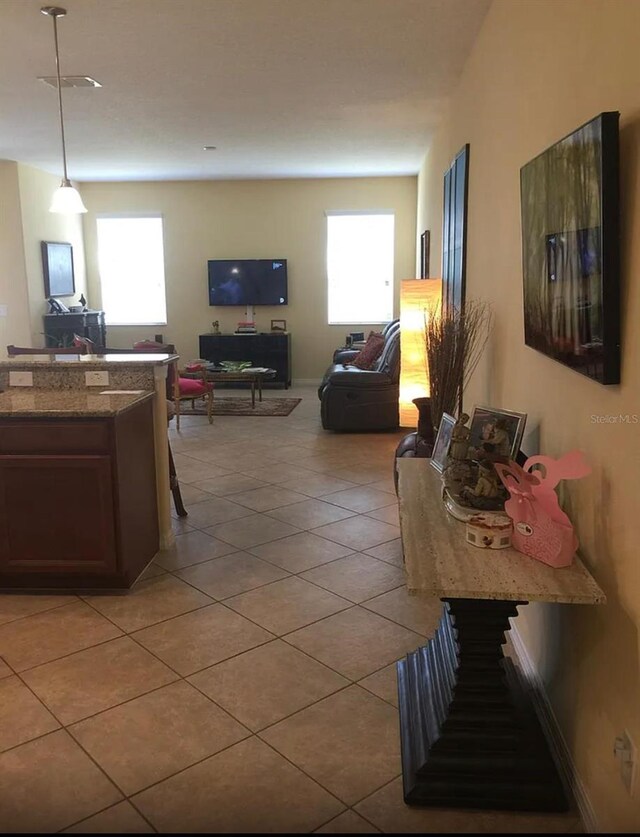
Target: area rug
x: 242, y: 407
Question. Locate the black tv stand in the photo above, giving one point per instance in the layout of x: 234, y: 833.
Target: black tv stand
x: 272, y: 350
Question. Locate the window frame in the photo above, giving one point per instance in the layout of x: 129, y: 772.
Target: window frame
x: 133, y: 215
x: 346, y: 212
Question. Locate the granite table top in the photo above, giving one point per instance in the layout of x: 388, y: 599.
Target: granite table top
x: 68, y: 403
x: 88, y: 361
x: 440, y: 563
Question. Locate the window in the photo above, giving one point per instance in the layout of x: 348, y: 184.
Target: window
x: 131, y: 264
x: 360, y: 266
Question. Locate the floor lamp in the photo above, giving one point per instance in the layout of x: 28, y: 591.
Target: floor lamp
x: 417, y: 298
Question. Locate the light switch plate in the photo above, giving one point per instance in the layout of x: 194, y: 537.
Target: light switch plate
x: 20, y: 379
x: 4, y: 311
x: 96, y: 379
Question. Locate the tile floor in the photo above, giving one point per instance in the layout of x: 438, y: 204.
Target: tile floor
x: 247, y: 682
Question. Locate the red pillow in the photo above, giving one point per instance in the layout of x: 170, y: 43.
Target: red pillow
x: 193, y: 386
x: 366, y: 358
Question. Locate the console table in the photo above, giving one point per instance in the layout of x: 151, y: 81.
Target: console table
x: 60, y: 328
x: 269, y: 350
x: 470, y: 737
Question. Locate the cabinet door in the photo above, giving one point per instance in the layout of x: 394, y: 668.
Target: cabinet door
x: 56, y: 514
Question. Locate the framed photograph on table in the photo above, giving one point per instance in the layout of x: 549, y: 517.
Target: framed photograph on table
x: 443, y: 440
x: 57, y: 267
x: 278, y: 325
x: 502, y: 429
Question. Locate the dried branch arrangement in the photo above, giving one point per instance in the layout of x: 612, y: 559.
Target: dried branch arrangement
x: 455, y: 339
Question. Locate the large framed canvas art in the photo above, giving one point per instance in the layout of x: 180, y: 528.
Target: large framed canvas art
x: 570, y: 250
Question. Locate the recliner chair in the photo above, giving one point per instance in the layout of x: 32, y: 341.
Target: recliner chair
x: 361, y: 399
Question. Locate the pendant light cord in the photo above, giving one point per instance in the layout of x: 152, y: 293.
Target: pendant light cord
x: 64, y: 150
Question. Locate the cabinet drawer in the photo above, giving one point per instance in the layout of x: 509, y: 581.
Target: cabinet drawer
x: 69, y: 436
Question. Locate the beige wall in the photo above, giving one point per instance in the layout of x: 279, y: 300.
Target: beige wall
x: 539, y: 69
x: 38, y: 224
x: 250, y: 219
x: 14, y: 328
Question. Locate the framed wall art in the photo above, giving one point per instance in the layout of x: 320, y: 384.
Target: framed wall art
x: 454, y: 230
x: 570, y: 250
x: 57, y: 267
x: 425, y: 250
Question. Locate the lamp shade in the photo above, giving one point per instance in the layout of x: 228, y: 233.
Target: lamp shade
x: 417, y: 296
x: 66, y: 200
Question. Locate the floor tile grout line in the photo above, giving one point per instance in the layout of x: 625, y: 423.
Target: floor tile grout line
x: 131, y: 631
x: 37, y: 612
x: 71, y: 653
x: 129, y: 796
x: 318, y: 782
x: 103, y: 810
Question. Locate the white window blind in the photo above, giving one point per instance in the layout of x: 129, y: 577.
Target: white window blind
x: 360, y: 250
x: 131, y: 265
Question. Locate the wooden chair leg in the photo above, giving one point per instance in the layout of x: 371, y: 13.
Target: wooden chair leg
x: 177, y: 406
x: 175, y: 487
x: 210, y: 407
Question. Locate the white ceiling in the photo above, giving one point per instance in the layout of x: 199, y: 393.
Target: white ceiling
x: 283, y: 88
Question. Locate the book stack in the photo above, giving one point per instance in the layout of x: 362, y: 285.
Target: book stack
x: 246, y: 328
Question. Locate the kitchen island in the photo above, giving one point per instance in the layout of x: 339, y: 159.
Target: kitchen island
x: 94, y: 373
x: 78, y: 506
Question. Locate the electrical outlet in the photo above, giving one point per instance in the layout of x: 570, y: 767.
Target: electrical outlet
x: 20, y: 379
x: 4, y: 310
x: 625, y: 751
x: 96, y: 379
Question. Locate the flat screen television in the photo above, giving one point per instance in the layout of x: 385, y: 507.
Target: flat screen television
x: 571, y: 250
x: 248, y: 282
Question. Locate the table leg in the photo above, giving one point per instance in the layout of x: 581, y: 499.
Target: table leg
x: 469, y: 734
x: 253, y: 394
x: 259, y: 387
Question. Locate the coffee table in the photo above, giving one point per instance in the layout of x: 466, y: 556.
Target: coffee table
x: 253, y: 376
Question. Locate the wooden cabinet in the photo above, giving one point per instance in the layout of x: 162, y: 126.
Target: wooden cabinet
x: 77, y: 501
x: 270, y: 350
x: 59, y: 329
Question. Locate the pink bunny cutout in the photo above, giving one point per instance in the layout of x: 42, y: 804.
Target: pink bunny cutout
x: 540, y: 528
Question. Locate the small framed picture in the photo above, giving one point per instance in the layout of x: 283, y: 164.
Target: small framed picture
x: 278, y: 325
x: 57, y: 266
x: 500, y: 429
x: 443, y: 440
x: 425, y: 248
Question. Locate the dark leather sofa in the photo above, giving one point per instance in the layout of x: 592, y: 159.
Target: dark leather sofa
x: 358, y: 399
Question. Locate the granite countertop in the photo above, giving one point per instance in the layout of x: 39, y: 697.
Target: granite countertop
x: 440, y: 563
x: 88, y: 361
x: 70, y: 403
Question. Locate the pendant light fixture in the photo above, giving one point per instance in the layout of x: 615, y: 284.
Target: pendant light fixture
x: 66, y: 199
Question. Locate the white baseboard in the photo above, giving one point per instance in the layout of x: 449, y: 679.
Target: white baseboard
x: 549, y: 722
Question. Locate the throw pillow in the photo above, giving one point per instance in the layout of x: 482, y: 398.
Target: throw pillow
x: 366, y: 358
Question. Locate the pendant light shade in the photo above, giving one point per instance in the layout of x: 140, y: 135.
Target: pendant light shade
x: 66, y: 199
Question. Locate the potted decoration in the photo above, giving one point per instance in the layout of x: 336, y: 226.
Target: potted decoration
x: 454, y: 340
